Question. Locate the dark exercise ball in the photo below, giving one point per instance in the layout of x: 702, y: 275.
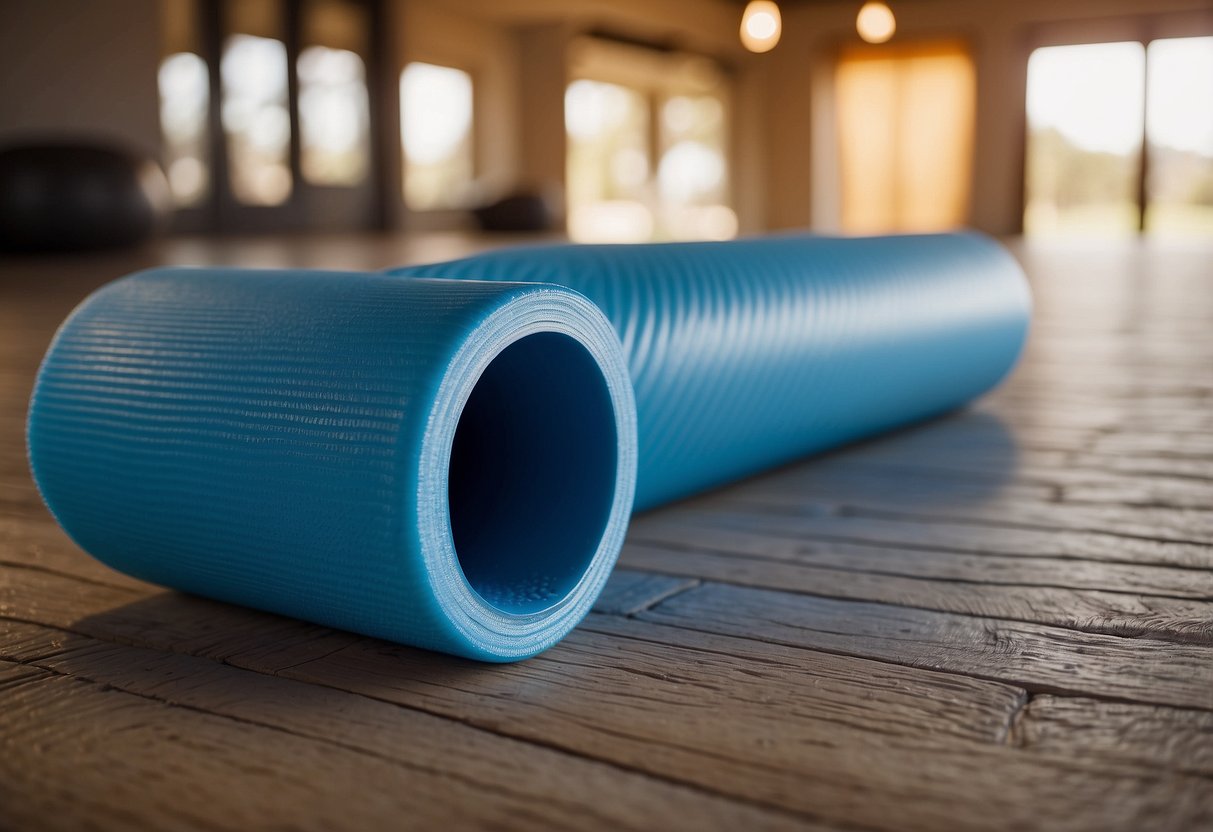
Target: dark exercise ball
x: 517, y: 212
x: 72, y: 196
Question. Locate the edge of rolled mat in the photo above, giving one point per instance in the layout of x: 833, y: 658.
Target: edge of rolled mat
x: 180, y: 364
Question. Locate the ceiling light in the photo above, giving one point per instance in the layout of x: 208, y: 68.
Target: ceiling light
x: 875, y: 22
x: 761, y: 26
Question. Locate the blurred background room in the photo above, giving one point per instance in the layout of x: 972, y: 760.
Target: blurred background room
x: 609, y: 121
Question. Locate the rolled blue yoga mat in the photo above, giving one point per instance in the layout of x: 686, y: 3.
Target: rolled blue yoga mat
x: 446, y: 456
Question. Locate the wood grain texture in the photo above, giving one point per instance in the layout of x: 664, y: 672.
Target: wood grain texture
x: 323, y: 758
x: 814, y: 735
x: 1038, y: 658
x: 628, y: 593
x: 1121, y: 612
x: 1165, y: 738
x: 1002, y: 619
x: 957, y: 536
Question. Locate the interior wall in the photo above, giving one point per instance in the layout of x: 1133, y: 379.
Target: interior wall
x: 747, y: 153
x: 543, y: 55
x: 78, y: 67
x: 698, y: 25
x: 802, y: 181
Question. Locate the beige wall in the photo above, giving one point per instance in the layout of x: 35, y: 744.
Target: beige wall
x: 80, y: 67
x: 801, y: 163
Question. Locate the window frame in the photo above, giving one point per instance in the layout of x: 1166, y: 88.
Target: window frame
x: 1142, y: 29
x: 310, y: 206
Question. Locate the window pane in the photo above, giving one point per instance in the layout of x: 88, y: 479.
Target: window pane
x: 1179, y: 124
x: 1085, y: 122
x: 333, y: 116
x: 608, y: 163
x: 693, y: 175
x: 436, y: 131
x: 184, y: 97
x: 256, y: 120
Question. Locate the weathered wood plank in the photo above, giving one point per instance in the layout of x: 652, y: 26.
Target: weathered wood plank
x: 1113, y: 613
x: 843, y: 479
x: 102, y: 759
x: 925, y: 563
x: 940, y: 535
x: 1198, y: 469
x: 628, y: 592
x: 284, y: 754
x: 1038, y: 658
x: 1198, y: 446
x: 238, y: 636
x: 848, y: 776
x: 833, y: 737
x: 1036, y: 461
x: 852, y: 779
x: 1141, y: 522
x: 1169, y: 738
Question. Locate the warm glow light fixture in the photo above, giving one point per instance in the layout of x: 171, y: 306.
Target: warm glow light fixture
x: 761, y: 26
x: 875, y: 22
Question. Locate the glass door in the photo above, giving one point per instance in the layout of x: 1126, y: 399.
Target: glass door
x: 1120, y: 139
x: 1179, y: 136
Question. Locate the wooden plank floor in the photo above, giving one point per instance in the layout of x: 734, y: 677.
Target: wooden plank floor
x: 999, y: 620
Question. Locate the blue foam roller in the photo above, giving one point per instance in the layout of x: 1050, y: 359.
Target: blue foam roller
x: 748, y: 354
x: 446, y: 456
x: 288, y: 441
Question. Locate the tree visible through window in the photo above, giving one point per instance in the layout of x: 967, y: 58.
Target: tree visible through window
x: 1085, y: 120
x: 1089, y: 108
x: 1179, y: 128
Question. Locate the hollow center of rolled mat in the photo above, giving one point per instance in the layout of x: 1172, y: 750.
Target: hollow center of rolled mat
x: 532, y: 473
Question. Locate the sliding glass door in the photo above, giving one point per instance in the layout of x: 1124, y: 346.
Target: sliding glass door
x: 1120, y: 139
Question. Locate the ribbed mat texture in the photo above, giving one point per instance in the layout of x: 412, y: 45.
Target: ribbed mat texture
x: 446, y: 456
x: 751, y: 353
